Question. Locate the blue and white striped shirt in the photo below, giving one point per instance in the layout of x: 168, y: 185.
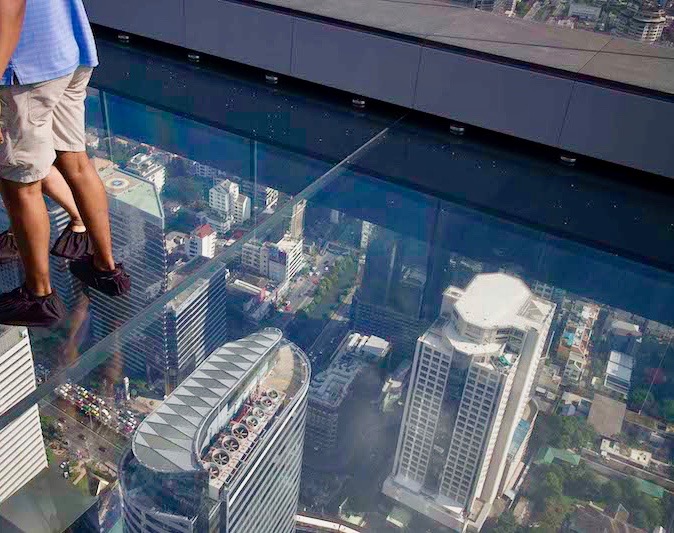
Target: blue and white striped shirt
x: 56, y: 39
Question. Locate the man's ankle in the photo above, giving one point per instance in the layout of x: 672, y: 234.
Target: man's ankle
x: 38, y: 290
x: 77, y: 225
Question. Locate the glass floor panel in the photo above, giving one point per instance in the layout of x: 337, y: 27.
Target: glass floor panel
x: 521, y: 315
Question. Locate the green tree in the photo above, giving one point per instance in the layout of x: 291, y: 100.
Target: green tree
x: 552, y: 485
x: 550, y: 520
x: 506, y: 524
x: 183, y: 190
x: 639, y: 397
x: 611, y: 491
x: 668, y: 410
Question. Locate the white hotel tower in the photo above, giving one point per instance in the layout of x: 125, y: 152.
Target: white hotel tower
x: 471, y: 380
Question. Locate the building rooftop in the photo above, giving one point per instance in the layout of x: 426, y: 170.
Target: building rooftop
x: 606, y: 415
x: 288, y: 244
x: 203, y: 231
x: 492, y: 300
x: 549, y: 454
x: 500, y: 300
x: 331, y: 386
x: 128, y: 188
x: 620, y: 366
x: 589, y: 519
x: 143, y: 164
x: 166, y: 440
x: 231, y: 450
x: 620, y: 327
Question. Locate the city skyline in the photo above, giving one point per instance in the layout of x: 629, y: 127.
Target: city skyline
x: 380, y: 270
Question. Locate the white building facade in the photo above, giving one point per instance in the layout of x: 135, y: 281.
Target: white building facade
x: 471, y: 379
x: 202, y: 242
x: 22, y: 450
x: 277, y: 261
x: 230, y: 206
x: 145, y: 166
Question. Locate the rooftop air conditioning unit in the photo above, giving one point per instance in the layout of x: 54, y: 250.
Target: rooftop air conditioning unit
x: 252, y: 421
x: 220, y: 457
x: 240, y: 431
x: 213, y: 470
x: 230, y: 443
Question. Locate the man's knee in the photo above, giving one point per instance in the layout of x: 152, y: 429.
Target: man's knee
x: 21, y: 191
x: 73, y: 165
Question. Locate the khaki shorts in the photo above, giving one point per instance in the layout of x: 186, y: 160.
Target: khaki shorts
x: 39, y: 119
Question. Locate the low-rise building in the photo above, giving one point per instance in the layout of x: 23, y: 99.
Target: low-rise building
x: 145, y: 166
x: 175, y: 240
x: 330, y: 388
x: 591, y: 519
x: 584, y: 11
x: 639, y: 458
x: 574, y: 345
x: 277, y: 261
x: 575, y: 367
x: 201, y: 242
x: 619, y: 372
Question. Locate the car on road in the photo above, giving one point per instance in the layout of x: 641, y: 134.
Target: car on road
x: 82, y: 436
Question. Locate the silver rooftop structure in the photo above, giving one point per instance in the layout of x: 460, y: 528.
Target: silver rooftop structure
x: 166, y: 441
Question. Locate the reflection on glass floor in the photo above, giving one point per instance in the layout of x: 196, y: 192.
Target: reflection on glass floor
x: 526, y: 326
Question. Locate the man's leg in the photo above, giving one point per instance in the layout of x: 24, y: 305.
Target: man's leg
x: 57, y: 189
x: 92, y: 203
x: 79, y: 173
x: 30, y: 222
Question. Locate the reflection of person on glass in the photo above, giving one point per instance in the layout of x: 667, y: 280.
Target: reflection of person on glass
x: 47, y: 54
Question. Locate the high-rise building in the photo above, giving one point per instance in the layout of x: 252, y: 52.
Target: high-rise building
x: 643, y: 20
x: 196, y: 324
x: 296, y: 229
x: 22, y: 451
x: 471, y: 379
x: 138, y: 234
x: 402, y: 282
x: 148, y: 168
x: 330, y: 389
x: 221, y: 197
x: 242, y: 209
x: 223, y: 452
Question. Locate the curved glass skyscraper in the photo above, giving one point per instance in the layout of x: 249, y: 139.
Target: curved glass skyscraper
x: 223, y: 452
